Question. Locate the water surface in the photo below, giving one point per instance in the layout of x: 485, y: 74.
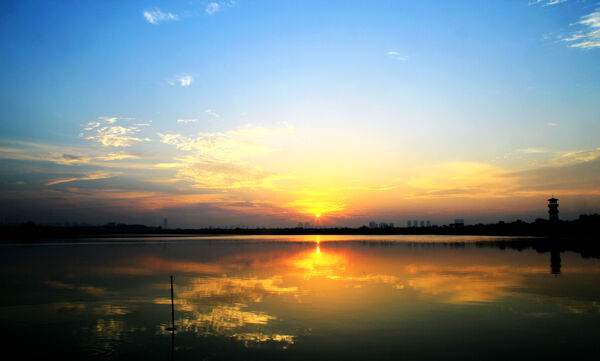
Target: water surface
x: 298, y: 297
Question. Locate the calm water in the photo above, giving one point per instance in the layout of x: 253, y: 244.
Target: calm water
x: 301, y: 298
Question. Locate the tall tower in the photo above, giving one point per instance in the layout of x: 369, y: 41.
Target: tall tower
x: 553, y: 209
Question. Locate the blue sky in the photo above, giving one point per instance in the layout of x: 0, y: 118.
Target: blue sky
x: 299, y: 102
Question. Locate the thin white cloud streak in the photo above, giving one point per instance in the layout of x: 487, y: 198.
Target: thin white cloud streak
x: 396, y: 55
x: 589, y: 36
x: 117, y: 156
x: 545, y: 3
x: 90, y: 176
x: 186, y: 121
x: 534, y: 150
x: 157, y: 16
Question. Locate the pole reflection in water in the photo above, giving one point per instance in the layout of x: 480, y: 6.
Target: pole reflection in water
x: 172, y: 328
x: 172, y: 345
x: 272, y: 298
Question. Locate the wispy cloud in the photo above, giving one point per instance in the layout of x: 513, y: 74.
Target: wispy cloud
x: 216, y: 160
x: 582, y: 156
x: 214, y: 7
x: 31, y: 151
x: 117, y: 156
x: 157, y: 16
x: 588, y: 36
x: 230, y: 145
x: 202, y: 173
x: 105, y: 131
x: 212, y: 113
x: 544, y: 3
x: 183, y: 80
x: 396, y: 55
x: 551, y: 124
x: 185, y: 121
x: 534, y: 150
x: 90, y: 176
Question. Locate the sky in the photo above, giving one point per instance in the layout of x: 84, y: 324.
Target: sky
x: 267, y: 113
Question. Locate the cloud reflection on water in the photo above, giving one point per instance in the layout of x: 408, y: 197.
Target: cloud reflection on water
x: 281, y: 293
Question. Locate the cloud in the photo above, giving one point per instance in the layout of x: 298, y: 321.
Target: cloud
x: 215, y: 174
x: 183, y: 80
x: 463, y: 179
x: 157, y: 16
x: 185, y: 121
x: 545, y: 3
x: 212, y: 113
x: 551, y: 124
x: 90, y: 176
x: 109, y: 120
x: 214, y: 160
x: 230, y: 145
x: 117, y: 156
x: 576, y: 157
x: 575, y: 174
x: 534, y: 150
x: 316, y: 206
x: 212, y: 8
x: 215, y: 7
x: 589, y: 36
x: 397, y: 55
x: 30, y: 151
x: 95, y: 291
x: 108, y: 134
x: 570, y: 172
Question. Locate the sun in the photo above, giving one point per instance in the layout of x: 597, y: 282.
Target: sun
x: 317, y: 215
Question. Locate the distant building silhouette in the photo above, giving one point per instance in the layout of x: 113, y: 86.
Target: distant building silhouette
x: 415, y: 223
x: 300, y: 225
x: 165, y: 223
x: 372, y: 224
x: 408, y: 224
x: 422, y: 224
x: 428, y: 223
x: 459, y: 222
x: 553, y: 209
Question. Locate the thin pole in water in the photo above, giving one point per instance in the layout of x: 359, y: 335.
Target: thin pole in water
x: 172, y: 309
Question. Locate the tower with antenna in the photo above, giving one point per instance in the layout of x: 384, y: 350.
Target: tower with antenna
x: 553, y: 209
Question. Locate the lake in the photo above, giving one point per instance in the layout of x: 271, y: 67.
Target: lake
x: 297, y: 298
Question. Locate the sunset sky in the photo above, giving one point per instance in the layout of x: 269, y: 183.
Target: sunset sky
x: 266, y: 113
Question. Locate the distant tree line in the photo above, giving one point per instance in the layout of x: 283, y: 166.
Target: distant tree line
x: 585, y: 227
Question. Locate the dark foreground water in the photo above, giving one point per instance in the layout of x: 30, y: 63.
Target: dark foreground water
x: 298, y: 298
